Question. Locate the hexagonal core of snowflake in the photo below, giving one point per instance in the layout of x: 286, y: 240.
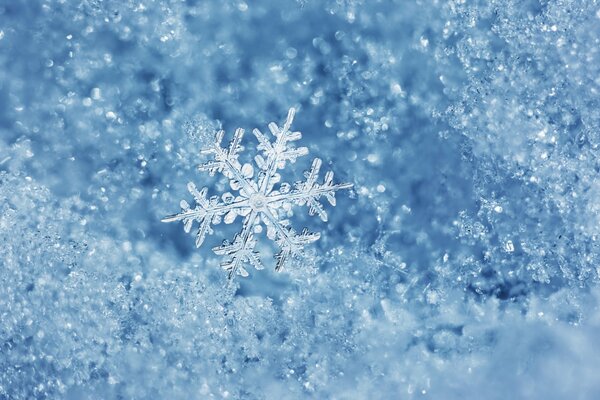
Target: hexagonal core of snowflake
x: 258, y: 197
x: 258, y: 201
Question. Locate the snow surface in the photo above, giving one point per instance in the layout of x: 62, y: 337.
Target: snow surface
x: 464, y: 264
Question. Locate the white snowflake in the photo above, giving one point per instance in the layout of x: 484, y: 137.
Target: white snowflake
x: 256, y: 200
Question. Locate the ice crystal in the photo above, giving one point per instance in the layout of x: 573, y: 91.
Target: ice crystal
x: 257, y: 199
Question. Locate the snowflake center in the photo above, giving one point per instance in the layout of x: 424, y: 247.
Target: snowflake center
x: 258, y: 201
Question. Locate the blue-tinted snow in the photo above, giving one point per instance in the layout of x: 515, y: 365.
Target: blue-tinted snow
x: 464, y: 265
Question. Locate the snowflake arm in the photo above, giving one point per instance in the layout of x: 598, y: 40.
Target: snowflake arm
x: 288, y: 241
x: 226, y: 162
x: 278, y: 153
x: 309, y: 191
x: 241, y: 250
x: 207, y: 211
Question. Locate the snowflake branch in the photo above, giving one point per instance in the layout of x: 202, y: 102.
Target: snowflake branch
x: 309, y: 192
x: 278, y: 153
x: 205, y: 213
x: 289, y: 242
x: 241, y: 250
x: 226, y: 162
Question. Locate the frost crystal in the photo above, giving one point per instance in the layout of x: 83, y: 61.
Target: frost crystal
x: 256, y: 200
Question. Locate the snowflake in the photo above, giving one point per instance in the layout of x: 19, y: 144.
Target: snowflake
x: 257, y: 200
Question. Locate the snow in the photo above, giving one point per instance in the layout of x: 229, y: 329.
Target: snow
x: 463, y: 264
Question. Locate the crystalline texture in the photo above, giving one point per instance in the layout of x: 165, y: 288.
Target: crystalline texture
x: 258, y: 200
